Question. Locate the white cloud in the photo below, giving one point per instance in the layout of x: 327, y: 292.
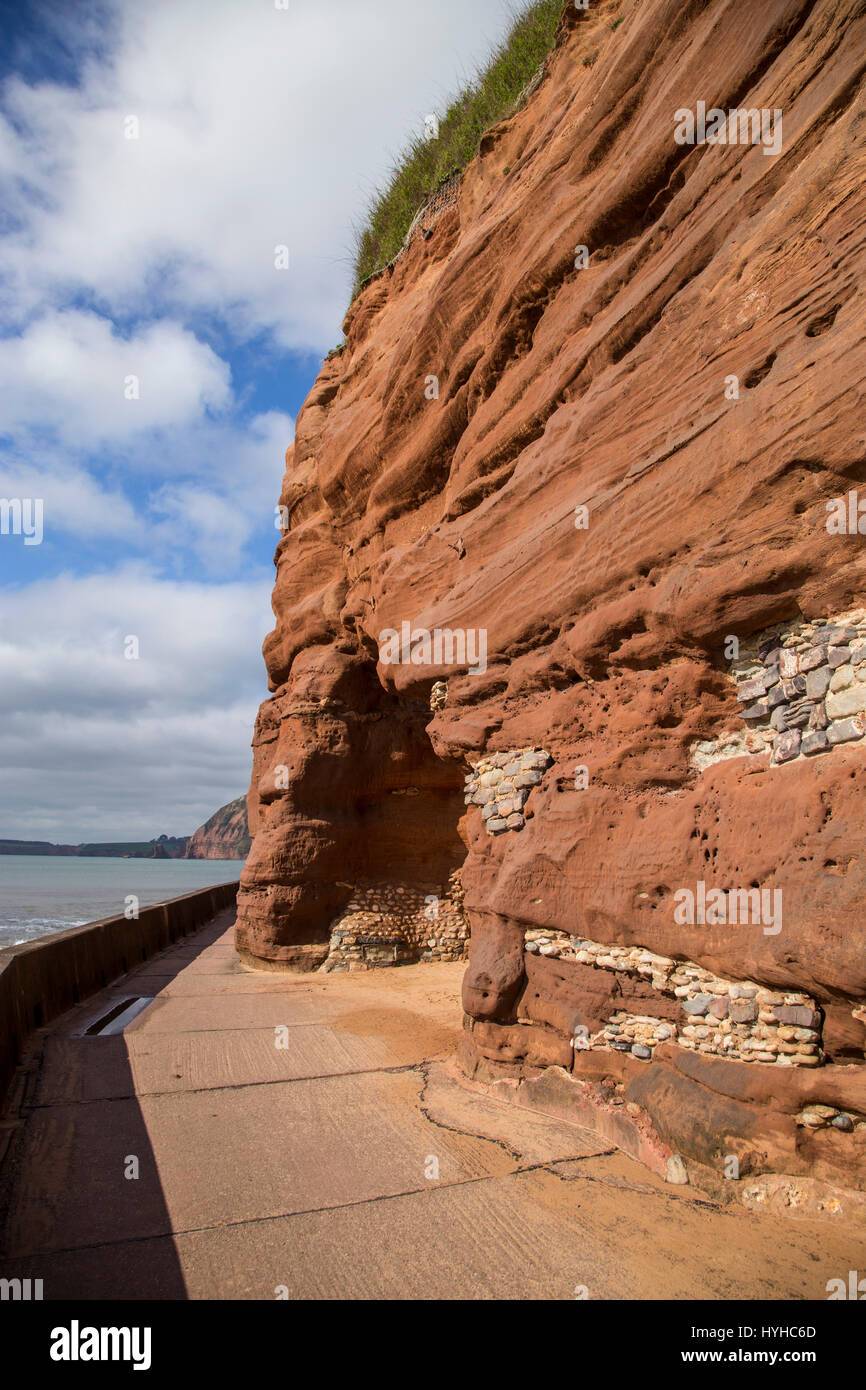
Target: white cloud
x: 73, y: 373
x: 81, y: 726
x: 210, y: 488
x: 214, y: 527
x: 75, y: 503
x: 221, y: 490
x: 257, y: 127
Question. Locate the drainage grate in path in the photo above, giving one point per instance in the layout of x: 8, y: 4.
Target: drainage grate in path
x: 117, y: 1017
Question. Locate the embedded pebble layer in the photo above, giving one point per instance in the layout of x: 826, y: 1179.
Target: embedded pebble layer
x: 802, y: 688
x: 737, y: 1019
x: 821, y: 1116
x: 500, y: 784
x: 399, y: 924
x: 438, y: 695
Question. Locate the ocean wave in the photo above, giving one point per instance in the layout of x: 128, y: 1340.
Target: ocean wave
x: 15, y: 933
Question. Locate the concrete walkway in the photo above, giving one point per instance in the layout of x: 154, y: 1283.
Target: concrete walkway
x: 300, y: 1136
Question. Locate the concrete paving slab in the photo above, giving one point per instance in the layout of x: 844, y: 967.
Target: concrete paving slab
x: 519, y: 1236
x: 353, y: 1164
x: 237, y: 1155
x: 165, y: 1063
x: 218, y: 1012
x: 212, y: 982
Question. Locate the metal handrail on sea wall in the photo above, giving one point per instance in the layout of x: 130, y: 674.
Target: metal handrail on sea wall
x: 39, y: 980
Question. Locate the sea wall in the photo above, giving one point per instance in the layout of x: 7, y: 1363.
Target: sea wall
x: 41, y: 979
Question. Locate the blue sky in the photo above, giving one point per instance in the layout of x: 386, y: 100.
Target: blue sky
x: 153, y: 357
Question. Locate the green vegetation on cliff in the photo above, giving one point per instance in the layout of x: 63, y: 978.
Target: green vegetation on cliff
x: 488, y: 99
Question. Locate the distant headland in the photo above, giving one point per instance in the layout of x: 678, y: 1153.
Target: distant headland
x: 224, y: 836
x: 165, y: 847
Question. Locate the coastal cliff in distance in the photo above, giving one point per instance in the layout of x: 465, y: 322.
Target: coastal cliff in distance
x: 224, y: 836
x: 165, y: 847
x: 570, y: 604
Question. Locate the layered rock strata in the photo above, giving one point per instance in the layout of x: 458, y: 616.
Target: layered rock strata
x: 596, y: 422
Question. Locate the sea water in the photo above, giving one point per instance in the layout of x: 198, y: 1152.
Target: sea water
x: 40, y: 894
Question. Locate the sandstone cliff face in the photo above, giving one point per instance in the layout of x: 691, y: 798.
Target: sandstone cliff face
x: 225, y: 836
x: 594, y: 496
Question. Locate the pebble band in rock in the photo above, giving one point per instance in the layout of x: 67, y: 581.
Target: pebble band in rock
x: 802, y: 688
x: 739, y: 1020
x: 500, y: 784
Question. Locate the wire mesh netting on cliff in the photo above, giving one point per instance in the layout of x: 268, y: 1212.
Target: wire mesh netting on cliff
x: 444, y: 197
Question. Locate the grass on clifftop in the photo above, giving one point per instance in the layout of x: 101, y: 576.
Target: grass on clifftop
x: 488, y: 99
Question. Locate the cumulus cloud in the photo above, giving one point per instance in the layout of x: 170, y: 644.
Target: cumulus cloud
x: 95, y: 745
x: 148, y: 186
x: 210, y: 491
x: 210, y: 134
x: 220, y: 493
x: 74, y: 503
x: 72, y: 373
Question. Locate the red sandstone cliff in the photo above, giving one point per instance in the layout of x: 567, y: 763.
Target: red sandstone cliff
x: 606, y: 386
x: 224, y: 836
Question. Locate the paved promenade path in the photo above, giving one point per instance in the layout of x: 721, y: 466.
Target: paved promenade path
x: 347, y: 1163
